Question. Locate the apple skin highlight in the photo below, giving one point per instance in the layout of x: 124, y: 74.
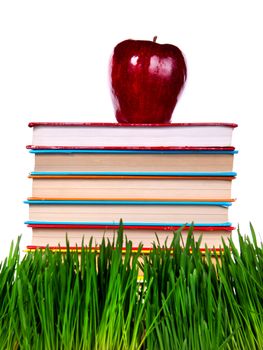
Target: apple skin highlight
x: 146, y: 80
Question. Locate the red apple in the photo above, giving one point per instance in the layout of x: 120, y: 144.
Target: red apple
x: 146, y: 80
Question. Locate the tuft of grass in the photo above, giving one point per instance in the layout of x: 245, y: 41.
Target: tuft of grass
x: 94, y: 300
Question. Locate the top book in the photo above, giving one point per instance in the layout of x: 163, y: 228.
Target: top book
x: 116, y: 135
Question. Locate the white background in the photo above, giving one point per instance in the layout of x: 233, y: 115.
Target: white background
x: 54, y: 67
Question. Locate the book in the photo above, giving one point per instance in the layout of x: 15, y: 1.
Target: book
x: 60, y: 160
x: 143, y: 212
x: 116, y: 135
x: 54, y: 185
x: 154, y: 177
x: 57, y: 235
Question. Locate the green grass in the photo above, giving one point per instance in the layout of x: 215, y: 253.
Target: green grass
x: 54, y: 300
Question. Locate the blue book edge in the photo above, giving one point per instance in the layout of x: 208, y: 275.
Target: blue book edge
x: 96, y: 151
x: 124, y: 202
x: 95, y: 223
x: 103, y: 173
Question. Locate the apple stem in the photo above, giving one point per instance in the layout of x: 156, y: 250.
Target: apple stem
x: 155, y: 38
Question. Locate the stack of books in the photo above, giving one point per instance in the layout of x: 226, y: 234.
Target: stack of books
x: 156, y: 178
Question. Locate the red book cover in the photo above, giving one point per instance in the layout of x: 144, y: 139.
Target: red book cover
x: 103, y: 227
x: 144, y: 250
x: 34, y: 124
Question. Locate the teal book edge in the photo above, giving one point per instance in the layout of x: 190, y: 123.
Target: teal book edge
x: 116, y: 151
x: 95, y: 223
x: 124, y: 202
x: 123, y: 173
